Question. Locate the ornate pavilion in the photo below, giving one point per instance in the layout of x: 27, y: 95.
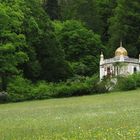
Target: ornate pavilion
x: 121, y: 64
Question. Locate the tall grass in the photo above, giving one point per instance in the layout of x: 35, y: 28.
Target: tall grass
x: 113, y: 116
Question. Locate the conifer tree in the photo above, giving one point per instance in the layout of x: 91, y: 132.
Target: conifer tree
x: 125, y: 26
x: 52, y: 8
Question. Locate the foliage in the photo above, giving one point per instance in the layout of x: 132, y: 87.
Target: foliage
x: 130, y: 82
x: 94, y: 13
x: 19, y: 89
x: 36, y: 46
x: 136, y: 78
x: 3, y: 97
x: 42, y: 90
x: 12, y: 41
x: 80, y: 45
x: 79, y: 86
x: 126, y: 83
x: 125, y: 26
x: 52, y: 8
x: 46, y: 56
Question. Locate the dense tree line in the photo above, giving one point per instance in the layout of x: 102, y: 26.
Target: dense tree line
x: 54, y: 40
x: 114, y: 20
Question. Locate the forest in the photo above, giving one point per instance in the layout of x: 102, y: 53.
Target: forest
x: 51, y: 48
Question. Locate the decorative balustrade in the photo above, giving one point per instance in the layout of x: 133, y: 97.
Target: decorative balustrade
x: 116, y: 59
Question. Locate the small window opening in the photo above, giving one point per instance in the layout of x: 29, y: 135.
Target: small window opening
x: 135, y: 69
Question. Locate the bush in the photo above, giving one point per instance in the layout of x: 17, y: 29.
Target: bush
x: 3, y: 97
x: 62, y: 90
x: 80, y: 86
x: 69, y: 89
x: 126, y: 83
x: 42, y: 91
x: 19, y: 89
x: 136, y: 77
x: 101, y: 87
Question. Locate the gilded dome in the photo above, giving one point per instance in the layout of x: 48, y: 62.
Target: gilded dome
x: 121, y: 51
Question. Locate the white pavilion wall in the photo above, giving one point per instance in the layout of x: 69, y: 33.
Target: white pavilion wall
x: 131, y: 67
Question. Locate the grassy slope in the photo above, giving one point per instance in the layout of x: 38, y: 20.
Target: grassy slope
x: 110, y: 116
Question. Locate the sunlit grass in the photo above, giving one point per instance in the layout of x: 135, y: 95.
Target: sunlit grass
x: 113, y: 116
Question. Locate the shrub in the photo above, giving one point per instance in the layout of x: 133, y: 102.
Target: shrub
x: 62, y: 90
x: 19, y: 89
x: 136, y: 77
x: 126, y: 83
x: 42, y: 91
x: 80, y: 86
x: 101, y: 87
x: 3, y: 97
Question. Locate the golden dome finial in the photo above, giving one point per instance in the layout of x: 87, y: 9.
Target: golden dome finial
x: 121, y: 51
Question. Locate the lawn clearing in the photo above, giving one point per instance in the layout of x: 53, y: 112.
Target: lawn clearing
x: 114, y: 116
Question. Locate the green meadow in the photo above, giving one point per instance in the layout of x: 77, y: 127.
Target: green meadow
x: 113, y: 116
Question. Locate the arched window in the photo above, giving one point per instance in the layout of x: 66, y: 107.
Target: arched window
x: 135, y: 69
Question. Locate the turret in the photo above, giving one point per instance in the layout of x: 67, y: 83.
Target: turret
x: 101, y: 67
x: 101, y: 58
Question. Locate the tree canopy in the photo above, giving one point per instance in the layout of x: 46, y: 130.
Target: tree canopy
x: 54, y: 40
x: 12, y: 41
x: 80, y: 46
x: 125, y: 26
